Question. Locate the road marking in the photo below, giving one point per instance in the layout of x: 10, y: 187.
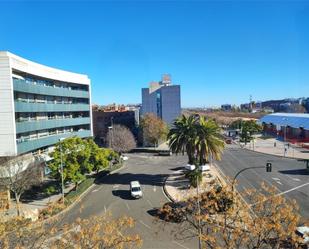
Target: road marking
x: 279, y: 182
x: 180, y: 244
x: 95, y: 190
x: 154, y: 189
x: 276, y: 179
x: 145, y: 224
x: 292, y: 189
x: 296, y: 179
x: 104, y: 209
x: 127, y: 206
x: 149, y: 202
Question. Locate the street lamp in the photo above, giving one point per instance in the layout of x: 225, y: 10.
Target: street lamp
x: 268, y: 168
x: 61, y: 169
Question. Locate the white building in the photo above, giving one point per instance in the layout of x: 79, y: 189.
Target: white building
x: 39, y: 105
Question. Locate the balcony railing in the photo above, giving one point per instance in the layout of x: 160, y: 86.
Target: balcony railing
x: 22, y: 86
x: 39, y: 107
x: 31, y: 145
x: 28, y: 126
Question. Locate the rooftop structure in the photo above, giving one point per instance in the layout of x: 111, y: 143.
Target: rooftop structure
x: 162, y: 99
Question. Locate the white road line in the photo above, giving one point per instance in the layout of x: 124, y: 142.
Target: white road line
x: 276, y: 179
x: 296, y: 179
x: 279, y: 182
x: 292, y: 189
x: 145, y: 224
x: 104, y: 209
x: 154, y: 189
x: 149, y: 202
x: 180, y: 244
x: 95, y: 190
x: 127, y: 206
x: 116, y: 186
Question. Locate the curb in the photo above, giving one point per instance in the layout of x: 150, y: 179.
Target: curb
x: 264, y: 153
x: 167, y: 195
x: 79, y: 198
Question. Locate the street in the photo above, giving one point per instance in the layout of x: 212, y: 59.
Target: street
x: 289, y: 176
x: 111, y: 194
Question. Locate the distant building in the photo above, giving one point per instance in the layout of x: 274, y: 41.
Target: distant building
x: 292, y: 127
x: 226, y: 107
x: 162, y: 99
x: 107, y: 116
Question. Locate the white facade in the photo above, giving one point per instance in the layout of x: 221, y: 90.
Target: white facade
x: 9, y: 63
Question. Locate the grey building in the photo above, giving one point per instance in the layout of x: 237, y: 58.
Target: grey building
x: 162, y: 99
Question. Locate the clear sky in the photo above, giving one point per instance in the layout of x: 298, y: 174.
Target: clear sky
x: 219, y: 52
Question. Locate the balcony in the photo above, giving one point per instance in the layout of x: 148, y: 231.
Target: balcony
x: 40, y: 107
x: 23, y: 86
x: 31, y: 145
x: 28, y: 126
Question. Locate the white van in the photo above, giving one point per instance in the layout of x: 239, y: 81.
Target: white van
x: 136, y: 190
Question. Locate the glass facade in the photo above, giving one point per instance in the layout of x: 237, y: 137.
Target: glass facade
x: 46, y: 110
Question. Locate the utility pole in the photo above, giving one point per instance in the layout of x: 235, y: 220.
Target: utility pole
x: 61, y: 170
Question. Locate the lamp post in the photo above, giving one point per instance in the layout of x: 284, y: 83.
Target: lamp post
x: 61, y: 169
x: 199, y: 212
x: 268, y: 168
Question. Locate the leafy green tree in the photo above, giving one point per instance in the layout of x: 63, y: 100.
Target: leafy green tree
x: 99, y: 157
x: 248, y: 128
x: 75, y: 154
x: 182, y: 136
x: 154, y: 129
x: 210, y: 143
x: 200, y: 138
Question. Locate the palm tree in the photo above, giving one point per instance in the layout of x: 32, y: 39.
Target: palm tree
x: 182, y: 136
x: 198, y: 137
x: 210, y: 143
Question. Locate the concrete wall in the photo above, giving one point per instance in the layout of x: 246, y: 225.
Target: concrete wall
x: 7, y: 115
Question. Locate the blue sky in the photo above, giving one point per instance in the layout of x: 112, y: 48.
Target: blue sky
x: 220, y: 52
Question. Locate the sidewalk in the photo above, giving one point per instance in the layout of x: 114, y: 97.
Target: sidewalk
x: 177, y: 187
x: 267, y: 146
x: 32, y: 209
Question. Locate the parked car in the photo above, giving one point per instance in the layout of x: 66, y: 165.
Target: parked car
x: 205, y: 167
x: 124, y: 158
x: 164, y: 153
x: 303, y: 232
x: 135, y: 189
x: 190, y: 167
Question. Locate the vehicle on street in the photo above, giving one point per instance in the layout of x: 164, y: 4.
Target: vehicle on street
x: 124, y: 158
x: 204, y: 167
x: 136, y: 190
x: 164, y: 153
x: 303, y: 232
x: 190, y: 167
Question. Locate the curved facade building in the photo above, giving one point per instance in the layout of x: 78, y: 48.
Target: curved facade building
x: 39, y: 105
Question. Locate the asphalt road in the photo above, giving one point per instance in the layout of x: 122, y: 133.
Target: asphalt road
x: 111, y: 193
x: 289, y: 176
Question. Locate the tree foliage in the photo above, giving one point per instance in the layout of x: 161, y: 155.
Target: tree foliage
x: 99, y: 232
x: 18, y: 175
x: 154, y: 129
x: 225, y: 221
x: 121, y: 139
x: 198, y: 137
x: 78, y: 157
x: 248, y: 128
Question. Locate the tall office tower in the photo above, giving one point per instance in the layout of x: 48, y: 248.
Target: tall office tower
x: 40, y: 105
x: 162, y: 99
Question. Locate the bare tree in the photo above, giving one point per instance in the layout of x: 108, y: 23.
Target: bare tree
x: 18, y: 175
x: 121, y: 139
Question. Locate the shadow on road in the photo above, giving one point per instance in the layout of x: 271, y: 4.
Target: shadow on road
x: 295, y: 172
x: 123, y: 194
x: 125, y: 178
